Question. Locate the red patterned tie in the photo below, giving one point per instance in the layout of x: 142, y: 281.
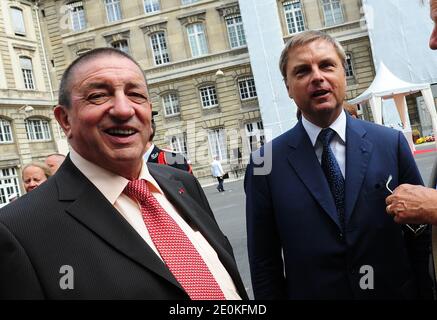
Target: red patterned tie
x: 177, y: 251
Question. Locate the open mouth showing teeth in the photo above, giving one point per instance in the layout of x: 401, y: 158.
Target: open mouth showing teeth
x: 120, y: 132
x: 319, y: 93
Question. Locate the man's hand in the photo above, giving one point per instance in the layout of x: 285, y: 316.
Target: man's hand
x: 413, y: 204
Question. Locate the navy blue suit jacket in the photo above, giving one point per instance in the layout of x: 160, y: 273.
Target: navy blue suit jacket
x: 297, y: 249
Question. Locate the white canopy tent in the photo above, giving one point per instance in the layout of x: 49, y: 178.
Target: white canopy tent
x: 386, y: 86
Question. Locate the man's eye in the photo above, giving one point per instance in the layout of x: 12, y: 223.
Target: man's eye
x: 326, y: 65
x: 98, y: 98
x: 300, y: 72
x: 137, y: 97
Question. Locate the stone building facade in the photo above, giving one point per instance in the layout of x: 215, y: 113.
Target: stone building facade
x: 28, y: 131
x: 195, y: 56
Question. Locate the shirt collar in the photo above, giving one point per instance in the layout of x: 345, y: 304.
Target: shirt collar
x: 149, y: 151
x: 339, y: 126
x: 110, y: 184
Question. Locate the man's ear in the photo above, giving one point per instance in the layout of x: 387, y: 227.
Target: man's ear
x: 62, y: 117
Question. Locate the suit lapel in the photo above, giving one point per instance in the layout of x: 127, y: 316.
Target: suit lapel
x: 91, y: 208
x: 358, y: 151
x: 198, y: 219
x: 303, y: 159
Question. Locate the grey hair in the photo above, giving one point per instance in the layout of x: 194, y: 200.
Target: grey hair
x: 40, y: 165
x: 304, y: 38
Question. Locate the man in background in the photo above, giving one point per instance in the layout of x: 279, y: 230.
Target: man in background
x: 217, y: 172
x: 54, y: 161
x: 34, y: 174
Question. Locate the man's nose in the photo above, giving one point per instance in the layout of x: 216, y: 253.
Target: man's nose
x: 317, y: 75
x: 122, y: 107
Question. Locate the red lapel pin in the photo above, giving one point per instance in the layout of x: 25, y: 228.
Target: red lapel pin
x: 181, y: 190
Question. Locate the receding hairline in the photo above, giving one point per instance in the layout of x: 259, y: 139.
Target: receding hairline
x: 304, y: 39
x: 102, y: 54
x: 69, y: 73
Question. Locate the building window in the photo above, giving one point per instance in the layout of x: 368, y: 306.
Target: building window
x: 188, y: 1
x: 37, y: 130
x: 8, y: 185
x: 197, y: 39
x: 208, y: 95
x: 294, y: 16
x: 18, y: 21
x: 113, y: 10
x: 26, y: 70
x: 217, y: 143
x: 236, y: 34
x: 77, y: 15
x: 255, y: 135
x: 159, y: 47
x: 121, y: 45
x: 151, y: 6
x: 332, y: 12
x: 247, y: 88
x: 5, y: 131
x: 171, y: 104
x: 179, y: 144
x: 349, y: 67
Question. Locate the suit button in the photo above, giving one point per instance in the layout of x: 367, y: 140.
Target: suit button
x: 340, y: 235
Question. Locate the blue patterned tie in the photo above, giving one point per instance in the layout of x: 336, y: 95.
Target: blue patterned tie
x: 332, y: 172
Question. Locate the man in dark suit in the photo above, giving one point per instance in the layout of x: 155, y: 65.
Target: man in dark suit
x: 316, y: 221
x: 160, y: 156
x: 106, y: 225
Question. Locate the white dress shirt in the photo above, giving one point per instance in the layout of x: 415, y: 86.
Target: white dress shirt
x: 112, y: 186
x: 338, y: 143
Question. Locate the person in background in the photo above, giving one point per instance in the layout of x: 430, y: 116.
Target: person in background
x: 34, y: 174
x: 351, y: 109
x: 54, y: 161
x: 161, y: 156
x: 217, y: 172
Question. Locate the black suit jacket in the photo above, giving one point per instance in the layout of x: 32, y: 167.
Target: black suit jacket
x: 68, y: 222
x: 296, y: 245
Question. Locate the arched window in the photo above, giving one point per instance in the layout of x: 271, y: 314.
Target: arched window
x: 197, y: 39
x: 159, y: 47
x: 77, y: 15
x: 113, y: 10
x: 247, y: 88
x: 27, y: 72
x: 38, y: 129
x: 171, y: 104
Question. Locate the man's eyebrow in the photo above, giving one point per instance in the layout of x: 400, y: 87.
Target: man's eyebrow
x: 300, y: 66
x: 135, y: 85
x: 96, y: 85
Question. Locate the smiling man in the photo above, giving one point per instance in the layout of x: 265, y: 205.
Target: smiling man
x: 316, y: 224
x: 108, y: 226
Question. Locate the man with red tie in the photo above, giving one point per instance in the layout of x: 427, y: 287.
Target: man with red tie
x: 108, y: 225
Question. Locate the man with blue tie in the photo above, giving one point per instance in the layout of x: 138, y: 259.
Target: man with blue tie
x: 316, y: 221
